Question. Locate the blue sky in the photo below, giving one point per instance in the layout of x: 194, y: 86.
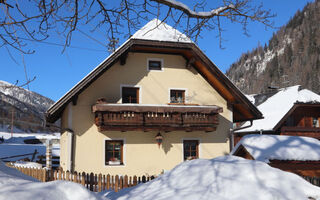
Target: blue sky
x: 56, y: 73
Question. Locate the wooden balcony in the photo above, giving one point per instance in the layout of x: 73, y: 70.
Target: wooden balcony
x: 301, y: 131
x: 137, y: 117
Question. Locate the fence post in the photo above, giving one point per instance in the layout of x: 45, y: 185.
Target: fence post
x: 116, y: 185
x: 75, y: 177
x: 91, y: 181
x: 125, y: 185
x: 44, y: 173
x: 83, y: 179
x: 67, y: 175
x: 108, y: 182
x: 103, y: 182
x: 144, y: 179
x: 100, y: 182
x: 134, y: 180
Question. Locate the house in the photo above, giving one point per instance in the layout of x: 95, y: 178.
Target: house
x: 287, y: 111
x: 297, y: 154
x: 156, y: 101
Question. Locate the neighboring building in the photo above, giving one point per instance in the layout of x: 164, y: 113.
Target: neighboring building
x: 156, y: 101
x: 289, y: 111
x: 300, y: 155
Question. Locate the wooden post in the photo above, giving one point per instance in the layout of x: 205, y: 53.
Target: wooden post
x: 48, y: 154
x: 108, y: 182
x: 144, y: 179
x: 100, y: 182
x: 121, y: 183
x: 95, y: 181
x: 44, y: 175
x: 125, y: 181
x: 67, y: 175
x: 112, y: 182
x: 55, y: 175
x: 130, y: 181
x: 103, y: 182
x: 116, y: 185
x: 83, y: 179
x: 75, y: 177
x: 134, y: 180
x: 91, y: 182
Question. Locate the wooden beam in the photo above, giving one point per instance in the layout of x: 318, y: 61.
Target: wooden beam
x: 74, y: 100
x: 123, y: 58
x: 190, y: 62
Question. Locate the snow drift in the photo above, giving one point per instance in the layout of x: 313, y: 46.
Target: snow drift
x: 15, y: 186
x: 226, y: 177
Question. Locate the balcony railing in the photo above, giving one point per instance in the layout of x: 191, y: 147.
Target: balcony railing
x: 137, y: 117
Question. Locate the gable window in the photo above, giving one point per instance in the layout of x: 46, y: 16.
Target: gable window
x: 177, y: 96
x: 190, y: 149
x: 114, y: 152
x: 130, y: 95
x: 155, y: 64
x: 315, y: 122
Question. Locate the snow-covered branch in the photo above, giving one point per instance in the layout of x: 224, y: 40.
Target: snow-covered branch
x: 193, y: 14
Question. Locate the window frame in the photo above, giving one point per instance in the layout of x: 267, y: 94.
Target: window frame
x: 313, y: 119
x: 131, y: 86
x: 178, y: 89
x: 122, y: 155
x: 197, y: 148
x: 157, y: 60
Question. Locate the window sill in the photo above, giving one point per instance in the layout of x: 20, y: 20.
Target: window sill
x: 185, y: 104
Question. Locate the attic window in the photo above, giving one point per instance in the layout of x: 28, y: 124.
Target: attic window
x: 155, y: 64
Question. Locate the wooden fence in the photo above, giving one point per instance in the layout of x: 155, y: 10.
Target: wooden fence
x: 313, y: 180
x: 93, y: 182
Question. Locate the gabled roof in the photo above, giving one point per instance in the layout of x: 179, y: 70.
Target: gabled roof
x: 276, y: 107
x: 280, y: 147
x: 164, y: 39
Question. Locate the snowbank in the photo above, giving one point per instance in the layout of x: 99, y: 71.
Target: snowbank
x: 15, y: 186
x: 278, y: 105
x: 280, y: 147
x: 226, y: 177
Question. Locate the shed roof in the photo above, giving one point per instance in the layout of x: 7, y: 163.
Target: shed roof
x: 280, y: 147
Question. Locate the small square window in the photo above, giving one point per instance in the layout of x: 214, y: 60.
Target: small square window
x: 130, y: 95
x: 155, y: 65
x: 177, y: 96
x: 190, y: 149
x: 114, y: 152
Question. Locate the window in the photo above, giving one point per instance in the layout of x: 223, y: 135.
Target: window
x: 130, y: 95
x: 114, y: 152
x: 190, y: 149
x: 154, y: 64
x: 315, y: 122
x: 177, y: 96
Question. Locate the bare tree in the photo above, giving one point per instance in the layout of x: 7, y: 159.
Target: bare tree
x: 36, y: 20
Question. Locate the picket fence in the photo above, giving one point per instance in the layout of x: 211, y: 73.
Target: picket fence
x: 93, y: 182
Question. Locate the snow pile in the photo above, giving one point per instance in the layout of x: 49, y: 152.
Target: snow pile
x: 160, y: 31
x: 278, y: 105
x: 27, y: 164
x: 15, y: 145
x: 280, y: 147
x: 226, y: 177
x: 15, y: 186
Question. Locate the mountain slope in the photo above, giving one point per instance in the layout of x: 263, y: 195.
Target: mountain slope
x: 27, y: 107
x: 292, y: 56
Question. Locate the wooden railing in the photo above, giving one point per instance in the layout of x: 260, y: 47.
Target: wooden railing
x: 166, y: 118
x: 93, y: 182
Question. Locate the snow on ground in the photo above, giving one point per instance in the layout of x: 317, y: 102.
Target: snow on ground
x: 160, y: 31
x: 226, y: 177
x: 16, y: 186
x: 15, y: 145
x: 274, y: 108
x: 280, y: 147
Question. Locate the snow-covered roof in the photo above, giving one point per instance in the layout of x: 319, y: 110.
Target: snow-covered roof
x: 280, y: 147
x: 275, y: 108
x: 160, y: 31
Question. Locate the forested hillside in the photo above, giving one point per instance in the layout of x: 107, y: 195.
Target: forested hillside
x: 291, y: 57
